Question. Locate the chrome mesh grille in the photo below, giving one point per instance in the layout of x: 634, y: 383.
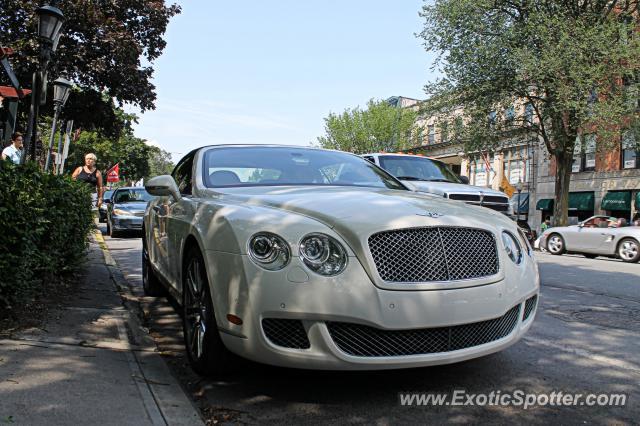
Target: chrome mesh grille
x: 529, y: 306
x: 365, y: 341
x: 434, y: 254
x: 287, y: 333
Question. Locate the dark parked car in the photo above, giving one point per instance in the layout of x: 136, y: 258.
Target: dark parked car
x: 527, y: 231
x: 126, y: 209
x: 102, y: 211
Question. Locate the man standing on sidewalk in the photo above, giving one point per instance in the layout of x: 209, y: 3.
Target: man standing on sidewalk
x: 14, y: 151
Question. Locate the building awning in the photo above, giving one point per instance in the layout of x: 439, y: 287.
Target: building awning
x: 581, y: 201
x: 10, y: 92
x: 616, y: 200
x: 524, y: 203
x: 545, y: 204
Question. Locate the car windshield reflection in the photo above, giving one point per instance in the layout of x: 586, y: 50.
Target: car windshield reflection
x: 278, y: 166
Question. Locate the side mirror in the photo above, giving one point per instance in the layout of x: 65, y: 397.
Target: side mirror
x: 107, y: 200
x: 163, y: 186
x: 581, y: 225
x: 464, y: 179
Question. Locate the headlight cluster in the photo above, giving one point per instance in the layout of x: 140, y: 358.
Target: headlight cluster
x: 269, y: 251
x: 512, y: 247
x: 120, y: 212
x: 323, y: 254
x: 320, y: 253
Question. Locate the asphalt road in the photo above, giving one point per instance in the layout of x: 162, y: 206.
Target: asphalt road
x: 585, y: 340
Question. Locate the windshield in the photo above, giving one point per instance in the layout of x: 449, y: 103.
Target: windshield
x: 262, y: 166
x: 137, y: 195
x: 417, y: 168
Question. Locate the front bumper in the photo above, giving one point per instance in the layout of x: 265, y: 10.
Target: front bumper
x: 126, y: 223
x: 244, y: 290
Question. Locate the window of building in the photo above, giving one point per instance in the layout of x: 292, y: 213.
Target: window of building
x: 431, y: 133
x: 576, y: 166
x: 517, y: 164
x: 590, y: 152
x: 444, y: 132
x: 630, y: 151
x: 480, y: 174
x: 492, y: 118
x: 528, y: 114
x: 510, y: 114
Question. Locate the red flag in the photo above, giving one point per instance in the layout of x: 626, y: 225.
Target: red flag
x: 113, y: 175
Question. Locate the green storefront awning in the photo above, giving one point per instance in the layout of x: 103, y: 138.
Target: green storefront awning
x: 545, y: 204
x: 616, y: 200
x: 638, y: 201
x: 581, y: 201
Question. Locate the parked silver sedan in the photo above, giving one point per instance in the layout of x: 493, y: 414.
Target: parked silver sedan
x: 596, y: 236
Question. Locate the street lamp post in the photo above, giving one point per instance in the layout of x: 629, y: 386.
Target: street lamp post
x: 519, y: 187
x: 50, y: 20
x: 61, y: 90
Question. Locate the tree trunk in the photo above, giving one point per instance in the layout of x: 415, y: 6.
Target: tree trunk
x: 563, y: 180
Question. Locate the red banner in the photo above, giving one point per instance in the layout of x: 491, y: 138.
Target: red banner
x: 113, y: 175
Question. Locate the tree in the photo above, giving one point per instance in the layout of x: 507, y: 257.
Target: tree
x: 564, y: 62
x: 132, y: 153
x: 160, y: 162
x: 107, y: 47
x: 379, y: 127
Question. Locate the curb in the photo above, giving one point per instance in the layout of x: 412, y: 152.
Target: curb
x: 161, y: 392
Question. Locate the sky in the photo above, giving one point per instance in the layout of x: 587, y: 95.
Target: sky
x: 269, y: 71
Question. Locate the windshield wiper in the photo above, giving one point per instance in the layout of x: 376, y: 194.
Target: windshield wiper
x: 423, y: 180
x: 409, y: 178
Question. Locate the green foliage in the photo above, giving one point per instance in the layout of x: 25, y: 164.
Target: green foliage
x: 107, y: 47
x: 160, y: 162
x: 44, y: 223
x: 566, y: 59
x: 379, y: 127
x: 132, y: 153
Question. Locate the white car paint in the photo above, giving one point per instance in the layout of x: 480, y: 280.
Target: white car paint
x: 221, y: 221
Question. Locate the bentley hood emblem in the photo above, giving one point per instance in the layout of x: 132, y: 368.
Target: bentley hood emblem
x: 430, y: 214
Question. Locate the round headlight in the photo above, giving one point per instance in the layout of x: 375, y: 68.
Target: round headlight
x: 269, y: 251
x: 512, y: 247
x: 323, y: 254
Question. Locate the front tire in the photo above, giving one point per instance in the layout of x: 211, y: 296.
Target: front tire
x: 555, y: 244
x: 206, y: 352
x: 629, y: 250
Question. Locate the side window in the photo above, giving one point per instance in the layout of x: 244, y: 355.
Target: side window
x: 183, y: 174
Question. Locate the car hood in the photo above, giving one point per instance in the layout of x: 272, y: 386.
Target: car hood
x: 442, y: 188
x: 359, y: 211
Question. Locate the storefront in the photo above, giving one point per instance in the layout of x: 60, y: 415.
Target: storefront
x: 581, y: 206
x: 617, y: 204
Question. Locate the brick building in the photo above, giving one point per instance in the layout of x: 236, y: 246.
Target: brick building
x: 601, y: 183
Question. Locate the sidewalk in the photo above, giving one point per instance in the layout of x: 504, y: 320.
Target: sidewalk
x: 92, y: 363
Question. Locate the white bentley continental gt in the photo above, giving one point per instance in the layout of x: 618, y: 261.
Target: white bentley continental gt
x: 309, y: 258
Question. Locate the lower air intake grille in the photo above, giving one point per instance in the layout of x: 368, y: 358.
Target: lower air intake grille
x: 365, y: 341
x: 286, y: 333
x: 529, y: 306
